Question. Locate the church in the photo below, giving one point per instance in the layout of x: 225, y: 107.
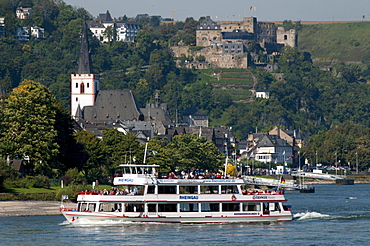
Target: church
x: 96, y: 110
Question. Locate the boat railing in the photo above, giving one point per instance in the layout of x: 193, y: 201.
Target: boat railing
x: 62, y: 208
x: 106, y: 192
x: 169, y: 176
x: 278, y: 192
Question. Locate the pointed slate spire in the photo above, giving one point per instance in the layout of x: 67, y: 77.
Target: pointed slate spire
x: 84, y: 60
x: 108, y: 17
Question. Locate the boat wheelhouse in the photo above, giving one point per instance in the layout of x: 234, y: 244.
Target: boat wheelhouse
x: 140, y: 195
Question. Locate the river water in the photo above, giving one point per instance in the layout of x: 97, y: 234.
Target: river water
x: 333, y: 215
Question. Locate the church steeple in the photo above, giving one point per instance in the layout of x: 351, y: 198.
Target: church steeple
x: 84, y: 84
x: 84, y: 61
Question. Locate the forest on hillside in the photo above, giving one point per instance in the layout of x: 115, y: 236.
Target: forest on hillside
x: 308, y: 99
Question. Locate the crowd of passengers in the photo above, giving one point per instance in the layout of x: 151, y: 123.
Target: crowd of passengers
x: 112, y: 191
x: 195, y: 174
x: 135, y: 191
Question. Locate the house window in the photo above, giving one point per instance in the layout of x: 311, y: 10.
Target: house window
x: 88, y: 85
x: 76, y: 85
x: 285, y: 37
x: 82, y: 88
x: 76, y: 99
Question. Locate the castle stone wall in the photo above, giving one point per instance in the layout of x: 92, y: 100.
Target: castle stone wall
x: 214, y: 55
x: 289, y: 37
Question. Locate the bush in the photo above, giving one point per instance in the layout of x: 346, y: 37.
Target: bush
x: 195, y: 48
x: 73, y: 176
x: 17, y: 183
x: 41, y: 181
x: 28, y: 197
x: 72, y: 191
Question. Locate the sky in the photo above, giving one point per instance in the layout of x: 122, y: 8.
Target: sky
x: 264, y: 10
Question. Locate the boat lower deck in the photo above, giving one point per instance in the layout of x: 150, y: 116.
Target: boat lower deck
x: 238, y: 217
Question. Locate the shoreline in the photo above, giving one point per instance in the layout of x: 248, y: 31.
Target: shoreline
x: 29, y: 208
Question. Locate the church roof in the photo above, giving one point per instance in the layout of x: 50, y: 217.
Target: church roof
x: 156, y: 113
x: 105, y: 17
x: 112, y: 106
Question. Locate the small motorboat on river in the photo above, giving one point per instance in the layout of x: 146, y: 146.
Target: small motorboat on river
x: 140, y: 195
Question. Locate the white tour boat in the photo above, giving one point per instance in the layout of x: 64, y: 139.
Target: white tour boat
x: 142, y: 196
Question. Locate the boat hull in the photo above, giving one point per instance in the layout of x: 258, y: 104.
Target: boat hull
x: 92, y: 218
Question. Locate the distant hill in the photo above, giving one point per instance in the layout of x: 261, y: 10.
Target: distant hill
x: 337, y: 41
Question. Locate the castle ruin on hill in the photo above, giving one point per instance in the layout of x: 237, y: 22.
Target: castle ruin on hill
x: 233, y: 44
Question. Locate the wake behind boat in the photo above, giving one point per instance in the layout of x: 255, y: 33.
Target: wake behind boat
x: 147, y: 197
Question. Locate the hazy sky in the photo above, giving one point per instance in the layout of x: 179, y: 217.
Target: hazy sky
x: 264, y: 10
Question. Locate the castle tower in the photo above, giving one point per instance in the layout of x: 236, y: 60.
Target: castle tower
x: 208, y: 32
x: 84, y: 84
x: 287, y: 37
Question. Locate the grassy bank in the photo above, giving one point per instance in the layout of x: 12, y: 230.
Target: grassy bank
x: 42, y: 194
x: 341, y: 41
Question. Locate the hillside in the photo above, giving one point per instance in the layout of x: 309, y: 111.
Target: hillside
x: 338, y: 41
x: 237, y: 83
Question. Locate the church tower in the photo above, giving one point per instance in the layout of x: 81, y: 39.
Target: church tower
x: 84, y: 84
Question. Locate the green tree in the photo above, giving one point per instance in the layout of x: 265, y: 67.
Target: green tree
x: 121, y: 148
x: 110, y: 33
x: 93, y: 156
x: 30, y: 126
x: 159, y: 154
x: 191, y: 151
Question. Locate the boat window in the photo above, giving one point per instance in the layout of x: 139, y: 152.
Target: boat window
x: 166, y: 189
x: 244, y: 189
x: 188, y: 190
x: 210, y: 207
x: 110, y: 207
x: 227, y: 189
x: 151, y: 189
x: 189, y: 207
x: 167, y: 207
x: 92, y: 207
x: 277, y: 206
x: 209, y: 189
x: 152, y: 207
x: 133, y: 190
x: 230, y: 206
x: 134, y: 207
x: 251, y: 207
x: 83, y: 207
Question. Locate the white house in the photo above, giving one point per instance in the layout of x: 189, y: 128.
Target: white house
x: 194, y: 117
x: 23, y: 13
x: 21, y: 34
x: 2, y: 26
x: 269, y: 148
x: 263, y: 94
x: 125, y: 31
x: 37, y: 32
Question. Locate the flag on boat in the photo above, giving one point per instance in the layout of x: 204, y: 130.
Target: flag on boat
x: 251, y: 8
x: 65, y: 197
